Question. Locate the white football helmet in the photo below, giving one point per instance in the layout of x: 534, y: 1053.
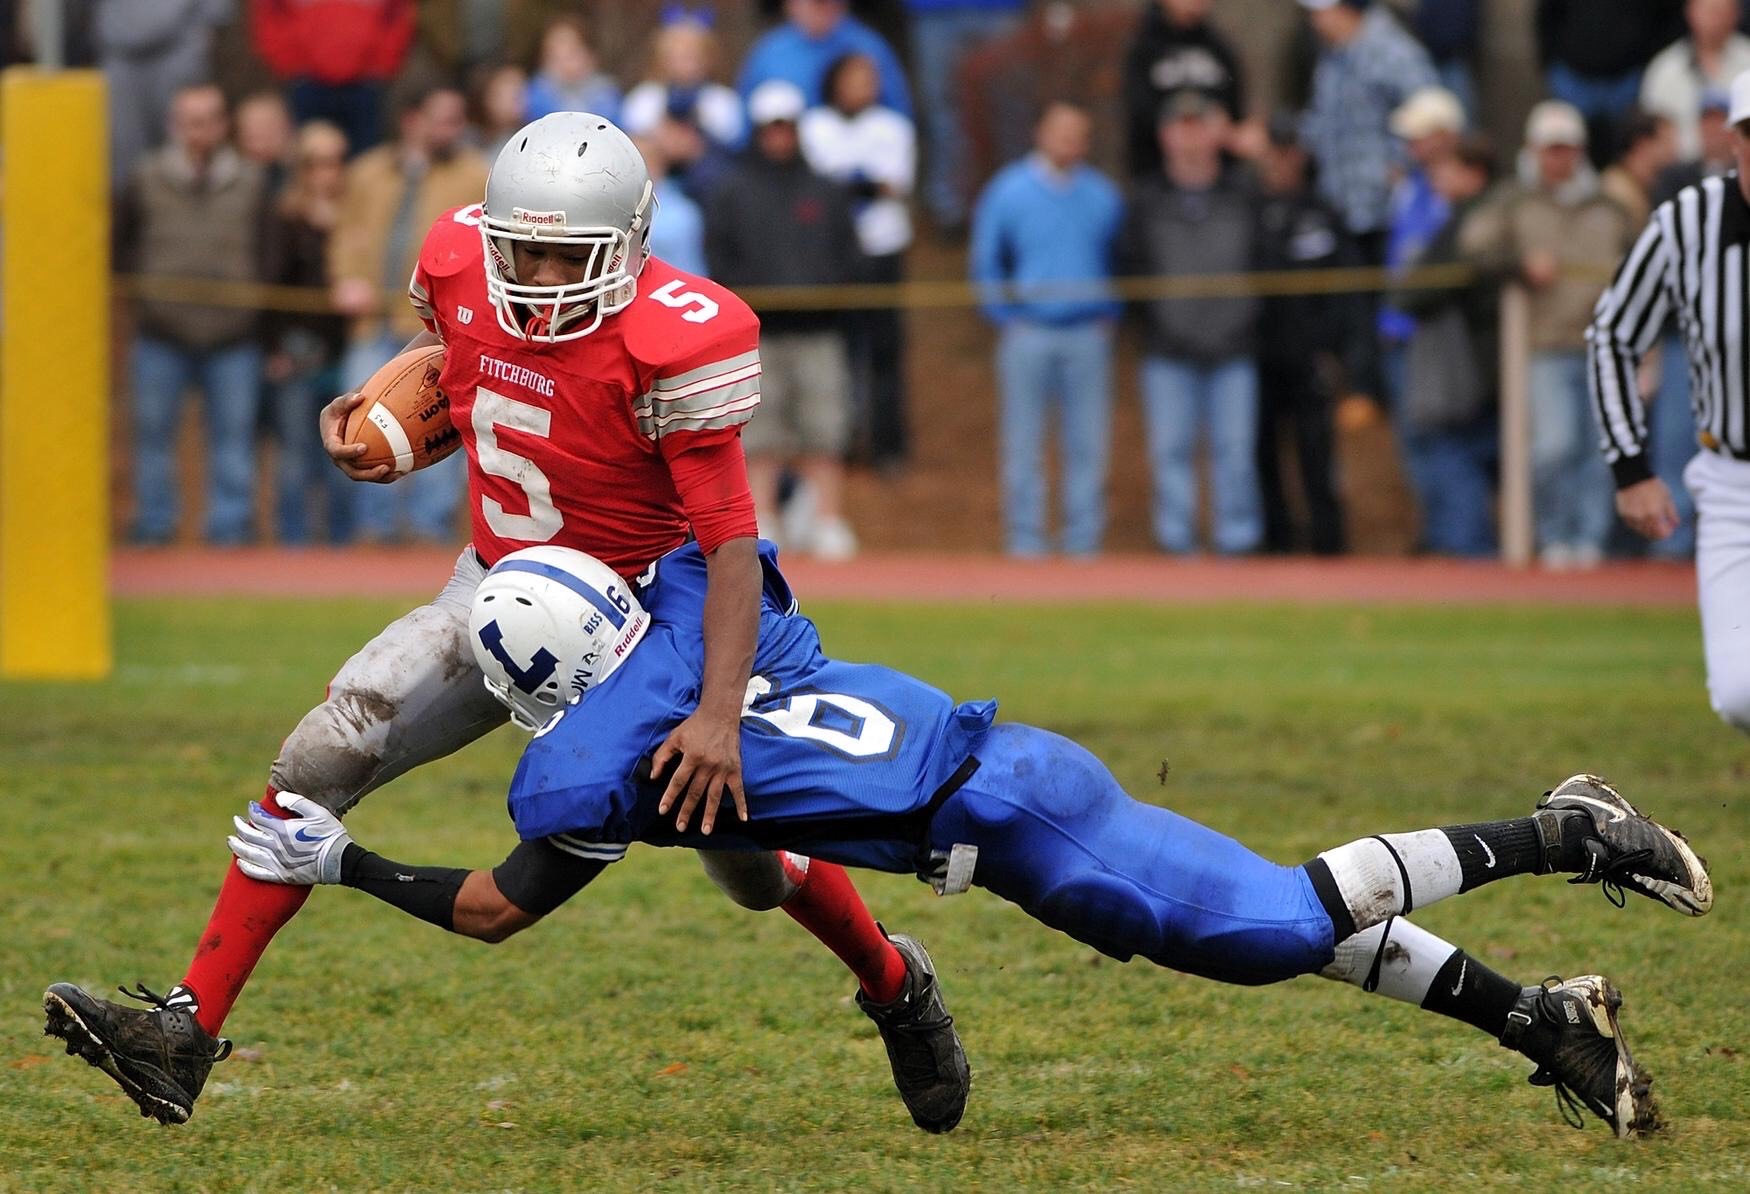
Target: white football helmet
x: 576, y: 178
x: 547, y: 625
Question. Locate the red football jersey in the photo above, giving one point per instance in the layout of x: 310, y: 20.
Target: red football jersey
x: 569, y: 443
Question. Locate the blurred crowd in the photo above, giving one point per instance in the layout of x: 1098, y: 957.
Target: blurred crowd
x: 806, y: 162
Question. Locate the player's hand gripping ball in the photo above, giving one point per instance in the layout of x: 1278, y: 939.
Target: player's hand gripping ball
x: 403, y: 418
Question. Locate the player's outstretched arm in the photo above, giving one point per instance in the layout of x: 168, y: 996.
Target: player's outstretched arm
x: 312, y: 847
x: 705, y: 749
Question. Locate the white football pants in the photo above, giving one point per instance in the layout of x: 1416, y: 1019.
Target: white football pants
x: 1721, y: 487
x: 414, y: 694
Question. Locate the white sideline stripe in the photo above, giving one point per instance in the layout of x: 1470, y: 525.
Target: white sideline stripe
x: 396, y: 435
x: 706, y: 385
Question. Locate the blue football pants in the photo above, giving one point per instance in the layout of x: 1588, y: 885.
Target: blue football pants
x: 1058, y: 836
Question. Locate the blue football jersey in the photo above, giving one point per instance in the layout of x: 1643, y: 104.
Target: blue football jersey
x: 834, y: 755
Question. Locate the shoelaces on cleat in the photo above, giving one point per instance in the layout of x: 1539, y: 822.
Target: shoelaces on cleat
x: 146, y: 995
x: 1569, y: 1103
x: 1610, y: 881
x: 159, y: 1003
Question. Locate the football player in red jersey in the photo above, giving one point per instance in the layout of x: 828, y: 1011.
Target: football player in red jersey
x: 600, y: 395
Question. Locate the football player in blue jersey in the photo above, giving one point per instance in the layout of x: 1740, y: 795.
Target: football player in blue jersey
x: 866, y: 766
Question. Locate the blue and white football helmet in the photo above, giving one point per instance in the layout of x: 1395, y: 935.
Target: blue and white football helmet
x: 547, y: 625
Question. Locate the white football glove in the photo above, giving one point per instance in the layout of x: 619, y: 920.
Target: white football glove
x: 302, y: 850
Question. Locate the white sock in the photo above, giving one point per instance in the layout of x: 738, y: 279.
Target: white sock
x: 1408, y: 963
x: 1393, y: 874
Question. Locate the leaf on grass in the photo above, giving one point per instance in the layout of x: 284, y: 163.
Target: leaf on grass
x: 499, y: 1105
x: 250, y: 1053
x: 669, y: 1071
x: 1239, y: 1071
x: 27, y: 1063
x: 504, y: 1124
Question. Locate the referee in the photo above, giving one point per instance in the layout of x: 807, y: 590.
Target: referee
x: 1693, y: 263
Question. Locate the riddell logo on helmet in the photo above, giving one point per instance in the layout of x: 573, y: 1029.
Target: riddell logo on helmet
x: 630, y: 637
x: 545, y: 219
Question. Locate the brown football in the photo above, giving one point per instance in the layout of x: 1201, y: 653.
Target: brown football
x: 404, y: 421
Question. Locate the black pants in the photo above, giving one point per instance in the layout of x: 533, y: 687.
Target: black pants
x: 877, y: 344
x: 1291, y: 398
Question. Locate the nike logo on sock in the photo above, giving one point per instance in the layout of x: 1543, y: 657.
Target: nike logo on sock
x: 1458, y: 987
x: 1490, y: 854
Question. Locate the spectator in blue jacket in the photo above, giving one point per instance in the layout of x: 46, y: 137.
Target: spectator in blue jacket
x: 814, y: 35
x: 1429, y: 124
x: 1043, y: 235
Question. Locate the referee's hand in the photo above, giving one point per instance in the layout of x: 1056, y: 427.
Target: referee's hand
x: 1648, y: 509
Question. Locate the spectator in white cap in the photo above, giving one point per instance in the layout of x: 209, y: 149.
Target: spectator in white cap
x: 1429, y: 123
x: 1555, y: 232
x: 773, y: 221
x: 1710, y: 55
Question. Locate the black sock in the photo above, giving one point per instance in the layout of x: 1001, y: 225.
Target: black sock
x: 1469, y: 991
x: 1496, y: 849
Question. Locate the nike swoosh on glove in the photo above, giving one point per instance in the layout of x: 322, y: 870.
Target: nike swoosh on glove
x: 302, y: 849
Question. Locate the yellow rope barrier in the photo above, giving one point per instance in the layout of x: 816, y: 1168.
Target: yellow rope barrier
x: 917, y: 295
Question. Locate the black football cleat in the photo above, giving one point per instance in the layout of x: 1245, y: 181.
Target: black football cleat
x: 929, y: 1065
x: 1628, y: 851
x: 160, y: 1057
x: 1570, y: 1030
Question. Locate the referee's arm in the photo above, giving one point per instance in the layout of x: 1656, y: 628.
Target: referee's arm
x: 1625, y: 325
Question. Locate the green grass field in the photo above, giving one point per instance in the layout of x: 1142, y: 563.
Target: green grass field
x: 650, y: 1033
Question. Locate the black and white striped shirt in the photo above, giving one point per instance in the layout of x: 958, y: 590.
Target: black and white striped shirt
x: 1691, y: 262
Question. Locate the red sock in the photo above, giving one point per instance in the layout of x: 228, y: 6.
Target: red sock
x: 827, y: 905
x: 245, y: 918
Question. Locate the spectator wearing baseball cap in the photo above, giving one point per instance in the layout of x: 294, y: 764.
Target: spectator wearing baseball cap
x: 773, y: 221
x: 1448, y: 422
x: 1714, y: 135
x: 1708, y: 57
x: 1555, y: 232
x: 1368, y: 65
x: 1198, y: 215
x: 1312, y: 349
x: 1429, y: 124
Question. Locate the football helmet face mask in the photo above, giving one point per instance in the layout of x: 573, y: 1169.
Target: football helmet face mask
x: 547, y: 625
x: 571, y: 179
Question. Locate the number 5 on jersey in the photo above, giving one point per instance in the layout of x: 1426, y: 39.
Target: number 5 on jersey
x: 670, y: 294
x: 493, y: 410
